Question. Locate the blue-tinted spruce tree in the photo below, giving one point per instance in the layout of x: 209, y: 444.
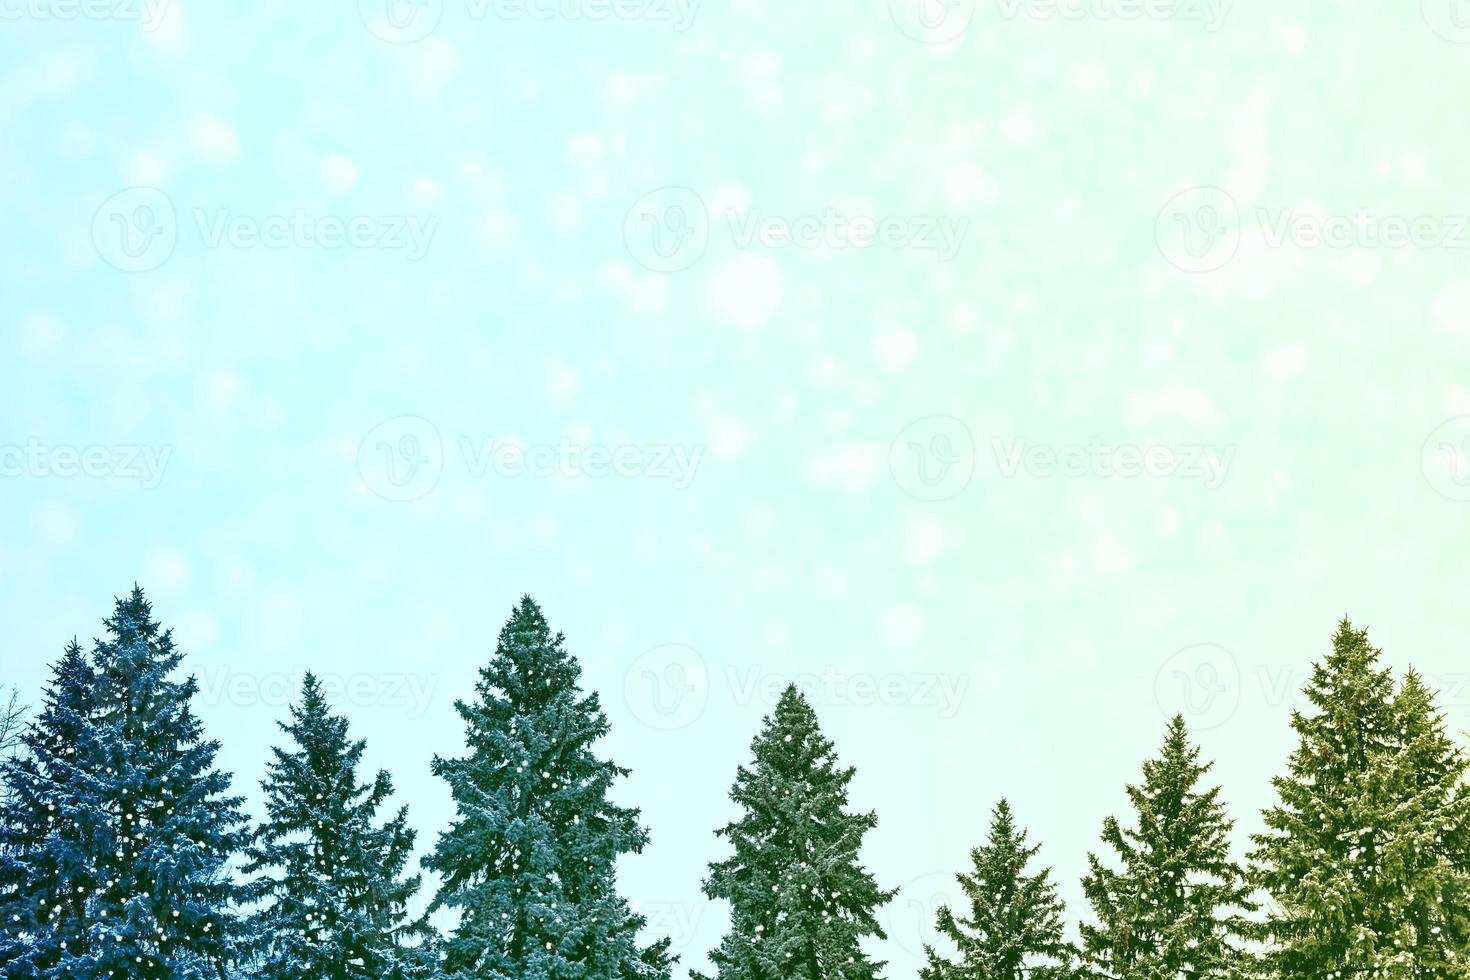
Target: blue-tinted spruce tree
x: 1365, y: 854
x: 1176, y: 906
x: 1013, y: 928
x: 333, y: 900
x: 46, y: 874
x: 801, y: 904
x: 136, y: 884
x: 528, y: 862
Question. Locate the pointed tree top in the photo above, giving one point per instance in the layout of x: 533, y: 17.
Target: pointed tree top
x: 136, y: 603
x: 526, y: 616
x: 793, y: 711
x: 1002, y: 821
x: 313, y: 700
x: 133, y: 616
x: 792, y: 697
x: 1176, y: 737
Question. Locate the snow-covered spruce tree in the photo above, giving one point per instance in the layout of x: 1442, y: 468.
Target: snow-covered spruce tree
x: 46, y: 873
x: 331, y: 886
x: 1364, y: 855
x: 529, y: 860
x: 800, y: 902
x: 139, y: 887
x: 1013, y: 929
x: 1427, y: 857
x: 1176, y: 907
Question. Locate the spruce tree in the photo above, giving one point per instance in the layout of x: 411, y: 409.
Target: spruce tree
x: 333, y: 893
x: 1013, y: 930
x: 133, y: 883
x: 1175, y: 907
x: 46, y: 872
x: 1427, y: 859
x: 529, y: 860
x: 1364, y: 854
x: 800, y: 902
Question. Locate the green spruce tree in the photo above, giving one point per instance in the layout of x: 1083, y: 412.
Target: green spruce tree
x: 529, y: 861
x: 1013, y: 929
x: 800, y: 902
x: 1364, y: 855
x: 1175, y: 908
x: 331, y: 886
x: 1427, y: 859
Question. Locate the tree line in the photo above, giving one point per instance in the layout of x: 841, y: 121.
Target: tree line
x: 124, y: 854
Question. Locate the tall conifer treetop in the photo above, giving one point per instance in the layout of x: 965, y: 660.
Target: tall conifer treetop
x: 1427, y: 859
x: 1013, y: 928
x: 800, y: 902
x: 529, y: 860
x: 1175, y: 907
x: 1364, y: 855
x: 134, y: 881
x: 46, y: 870
x: 332, y: 893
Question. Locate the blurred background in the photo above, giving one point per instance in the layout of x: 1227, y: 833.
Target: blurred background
x: 1010, y: 374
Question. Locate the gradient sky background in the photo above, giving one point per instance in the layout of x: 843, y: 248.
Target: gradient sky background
x: 324, y: 417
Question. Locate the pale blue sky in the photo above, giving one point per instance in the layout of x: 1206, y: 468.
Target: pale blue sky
x: 922, y: 371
